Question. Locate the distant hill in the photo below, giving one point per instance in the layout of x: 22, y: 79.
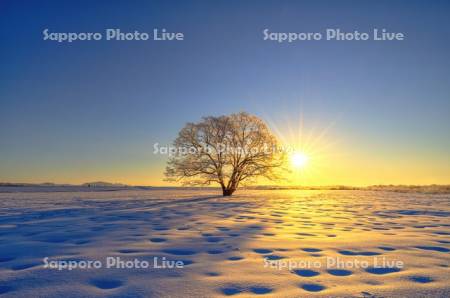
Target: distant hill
x: 104, y: 184
x: 49, y: 184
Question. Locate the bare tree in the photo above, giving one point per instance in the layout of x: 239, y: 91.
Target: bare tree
x: 228, y: 150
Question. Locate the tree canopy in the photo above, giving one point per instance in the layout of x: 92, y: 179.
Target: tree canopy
x: 227, y: 150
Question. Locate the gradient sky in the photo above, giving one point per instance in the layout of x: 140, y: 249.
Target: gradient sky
x: 373, y: 112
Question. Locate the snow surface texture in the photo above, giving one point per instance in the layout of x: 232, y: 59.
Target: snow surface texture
x: 223, y: 243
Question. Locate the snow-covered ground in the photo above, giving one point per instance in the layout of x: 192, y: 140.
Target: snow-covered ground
x: 337, y: 243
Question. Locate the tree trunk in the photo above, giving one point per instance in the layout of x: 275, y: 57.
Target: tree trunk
x: 228, y: 192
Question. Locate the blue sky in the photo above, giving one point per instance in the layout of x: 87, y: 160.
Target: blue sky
x: 92, y: 110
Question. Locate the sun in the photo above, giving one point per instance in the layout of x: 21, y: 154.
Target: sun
x: 299, y: 160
